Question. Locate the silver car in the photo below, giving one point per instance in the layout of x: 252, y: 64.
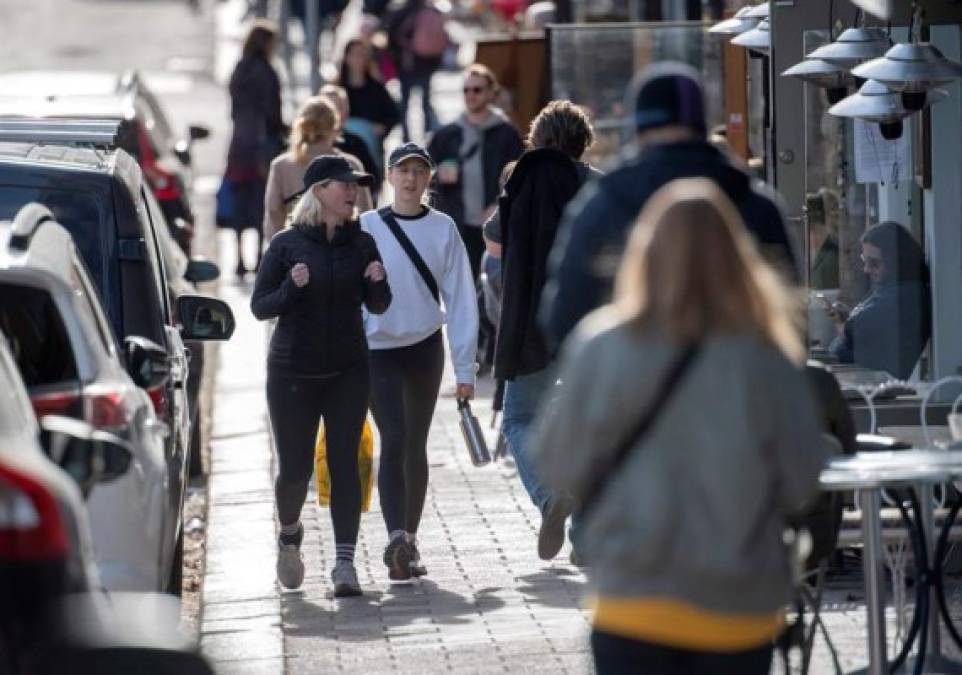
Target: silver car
x: 72, y: 366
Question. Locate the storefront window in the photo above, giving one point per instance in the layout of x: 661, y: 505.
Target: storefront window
x: 594, y: 65
x: 869, y: 298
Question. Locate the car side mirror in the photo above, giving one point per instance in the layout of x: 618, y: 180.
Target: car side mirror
x: 200, y: 269
x: 204, y: 318
x: 197, y: 132
x: 88, y: 455
x: 147, y: 362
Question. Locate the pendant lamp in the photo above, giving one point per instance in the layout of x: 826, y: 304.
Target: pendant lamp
x: 758, y: 39
x: 737, y: 24
x: 833, y: 78
x: 853, y: 46
x: 911, y: 69
x: 875, y: 102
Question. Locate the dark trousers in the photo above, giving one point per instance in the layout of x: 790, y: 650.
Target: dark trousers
x: 297, y: 405
x: 615, y: 655
x: 404, y: 390
x: 473, y: 238
x: 418, y: 79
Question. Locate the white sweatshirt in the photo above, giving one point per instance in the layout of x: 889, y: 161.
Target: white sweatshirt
x: 414, y: 314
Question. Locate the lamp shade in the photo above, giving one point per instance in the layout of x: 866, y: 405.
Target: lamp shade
x: 875, y: 102
x: 737, y: 24
x: 758, y: 38
x: 911, y: 68
x: 823, y: 74
x: 853, y: 46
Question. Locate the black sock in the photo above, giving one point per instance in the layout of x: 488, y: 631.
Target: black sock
x: 296, y: 538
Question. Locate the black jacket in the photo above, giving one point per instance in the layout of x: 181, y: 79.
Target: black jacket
x: 534, y: 198
x: 596, y: 225
x: 257, y: 137
x: 501, y: 145
x: 320, y: 329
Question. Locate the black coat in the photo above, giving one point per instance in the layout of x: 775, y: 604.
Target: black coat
x: 501, y: 145
x: 259, y: 131
x: 320, y: 329
x: 534, y: 198
x: 596, y: 226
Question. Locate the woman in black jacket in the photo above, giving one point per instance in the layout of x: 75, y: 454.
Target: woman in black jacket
x: 367, y: 97
x: 313, y: 279
x: 258, y: 134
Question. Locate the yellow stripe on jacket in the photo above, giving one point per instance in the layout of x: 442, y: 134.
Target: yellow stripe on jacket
x: 679, y: 624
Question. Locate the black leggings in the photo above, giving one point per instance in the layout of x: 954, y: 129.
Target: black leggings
x: 616, y: 655
x: 404, y: 390
x: 296, y: 405
x: 473, y: 238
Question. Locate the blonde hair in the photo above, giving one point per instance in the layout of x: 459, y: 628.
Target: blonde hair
x: 308, y: 210
x: 691, y: 269
x: 316, y: 120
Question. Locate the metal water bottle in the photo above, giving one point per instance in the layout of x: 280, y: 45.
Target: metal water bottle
x: 473, y: 436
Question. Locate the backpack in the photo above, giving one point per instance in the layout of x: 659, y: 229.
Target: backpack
x: 429, y: 39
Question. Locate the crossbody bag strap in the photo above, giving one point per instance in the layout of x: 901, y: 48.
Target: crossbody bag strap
x: 411, y: 251
x: 646, y: 421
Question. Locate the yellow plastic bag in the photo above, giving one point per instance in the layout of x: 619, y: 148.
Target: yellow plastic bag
x: 365, y: 465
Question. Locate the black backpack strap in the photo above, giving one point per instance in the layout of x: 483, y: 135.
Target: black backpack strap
x: 411, y: 250
x: 644, y: 424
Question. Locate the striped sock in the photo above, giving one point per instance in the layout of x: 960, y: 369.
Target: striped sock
x: 345, y: 552
x: 395, y: 534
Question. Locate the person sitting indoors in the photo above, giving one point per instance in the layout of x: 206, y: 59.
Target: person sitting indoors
x: 889, y: 329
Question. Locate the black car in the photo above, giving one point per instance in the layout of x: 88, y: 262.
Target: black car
x: 98, y: 194
x: 144, y: 131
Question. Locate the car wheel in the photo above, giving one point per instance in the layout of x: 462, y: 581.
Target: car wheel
x: 196, y: 466
x: 175, y: 584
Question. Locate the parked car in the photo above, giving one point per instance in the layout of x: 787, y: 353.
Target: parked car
x: 98, y: 195
x: 54, y: 617
x: 72, y: 365
x: 145, y: 132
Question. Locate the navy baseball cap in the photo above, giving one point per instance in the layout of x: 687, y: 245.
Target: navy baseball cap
x: 334, y: 167
x: 668, y: 93
x: 409, y: 151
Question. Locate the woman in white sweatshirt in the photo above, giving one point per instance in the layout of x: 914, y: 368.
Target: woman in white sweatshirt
x: 428, y: 265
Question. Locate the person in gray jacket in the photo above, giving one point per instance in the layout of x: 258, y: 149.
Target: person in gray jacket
x: 684, y: 539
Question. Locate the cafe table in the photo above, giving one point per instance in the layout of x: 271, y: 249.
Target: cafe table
x: 869, y: 473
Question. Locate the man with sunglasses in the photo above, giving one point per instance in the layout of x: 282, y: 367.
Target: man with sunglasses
x: 470, y: 154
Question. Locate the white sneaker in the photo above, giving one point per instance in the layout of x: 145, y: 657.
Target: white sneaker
x: 290, y: 566
x: 345, y: 581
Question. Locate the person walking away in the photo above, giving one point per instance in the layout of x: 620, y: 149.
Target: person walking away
x: 470, y: 154
x: 427, y: 263
x: 417, y: 40
x: 669, y: 120
x: 313, y: 134
x: 314, y: 278
x: 542, y: 182
x: 350, y: 143
x: 684, y: 537
x: 373, y: 111
x: 258, y: 133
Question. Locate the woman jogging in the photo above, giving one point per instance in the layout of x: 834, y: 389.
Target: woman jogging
x: 313, y: 279
x: 427, y: 262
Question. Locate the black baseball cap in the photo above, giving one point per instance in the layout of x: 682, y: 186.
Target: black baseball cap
x: 407, y: 151
x: 334, y: 167
x: 668, y: 93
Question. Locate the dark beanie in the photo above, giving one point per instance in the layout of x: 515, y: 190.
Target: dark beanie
x: 668, y: 93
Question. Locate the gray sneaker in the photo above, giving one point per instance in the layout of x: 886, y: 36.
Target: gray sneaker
x: 290, y: 566
x: 345, y: 581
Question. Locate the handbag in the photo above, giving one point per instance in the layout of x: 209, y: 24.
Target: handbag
x: 646, y: 421
x: 412, y: 252
x: 224, y: 214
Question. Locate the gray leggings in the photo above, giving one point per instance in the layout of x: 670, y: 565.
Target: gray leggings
x: 404, y: 391
x: 296, y: 405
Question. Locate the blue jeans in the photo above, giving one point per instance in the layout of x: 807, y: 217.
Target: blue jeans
x: 422, y: 81
x: 523, y: 396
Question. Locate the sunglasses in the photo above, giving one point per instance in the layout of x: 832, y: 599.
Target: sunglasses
x: 871, y: 262
x: 475, y: 90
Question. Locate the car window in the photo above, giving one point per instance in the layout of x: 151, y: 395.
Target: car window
x: 16, y: 413
x: 156, y: 260
x: 90, y: 225
x: 38, y: 339
x: 91, y: 302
